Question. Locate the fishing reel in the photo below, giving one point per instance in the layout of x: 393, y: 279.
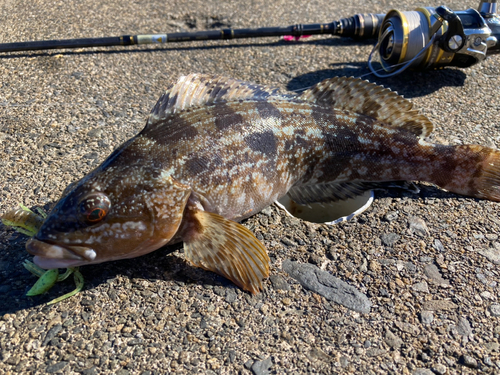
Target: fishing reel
x: 422, y: 39
x: 435, y: 37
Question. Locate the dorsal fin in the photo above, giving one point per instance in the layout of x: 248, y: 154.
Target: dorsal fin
x: 203, y: 89
x: 369, y: 99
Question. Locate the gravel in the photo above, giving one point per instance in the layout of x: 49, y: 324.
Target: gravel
x: 424, y: 265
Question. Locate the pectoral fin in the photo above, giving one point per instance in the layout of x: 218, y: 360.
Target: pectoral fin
x: 227, y: 248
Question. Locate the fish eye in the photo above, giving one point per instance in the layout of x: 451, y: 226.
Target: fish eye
x: 94, y: 207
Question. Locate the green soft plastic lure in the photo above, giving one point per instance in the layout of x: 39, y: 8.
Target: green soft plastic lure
x: 25, y: 221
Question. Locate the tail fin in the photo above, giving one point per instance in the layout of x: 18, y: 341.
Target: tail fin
x: 476, y: 172
x: 488, y: 183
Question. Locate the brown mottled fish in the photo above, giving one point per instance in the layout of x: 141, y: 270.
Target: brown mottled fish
x: 217, y: 150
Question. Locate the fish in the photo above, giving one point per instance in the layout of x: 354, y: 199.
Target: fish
x: 216, y: 150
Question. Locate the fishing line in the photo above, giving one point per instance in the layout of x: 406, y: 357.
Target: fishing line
x: 405, y: 65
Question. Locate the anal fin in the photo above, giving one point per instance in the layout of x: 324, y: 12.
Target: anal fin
x: 226, y: 248
x: 335, y: 191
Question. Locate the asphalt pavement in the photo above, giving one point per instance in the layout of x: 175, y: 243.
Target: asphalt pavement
x: 424, y: 265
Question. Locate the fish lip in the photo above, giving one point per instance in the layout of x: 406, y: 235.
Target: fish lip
x: 51, y: 250
x: 51, y: 263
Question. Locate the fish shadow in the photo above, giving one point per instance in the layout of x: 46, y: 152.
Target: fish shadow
x: 166, y: 264
x: 410, y: 84
x: 426, y: 191
x: 162, y: 264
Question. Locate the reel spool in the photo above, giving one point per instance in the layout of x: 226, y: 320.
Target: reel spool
x: 404, y: 35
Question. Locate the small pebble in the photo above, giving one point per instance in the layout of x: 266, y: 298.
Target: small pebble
x: 391, y: 216
x: 491, y: 236
x: 495, y: 310
x: 267, y: 211
x: 325, y: 284
x: 418, y: 226
x: 279, y: 283
x: 231, y: 295
x: 315, y: 259
x: 422, y: 371
x: 426, y: 317
x: 438, y: 245
x: 487, y: 361
x: 91, y: 371
x: 51, y: 334
x: 392, y: 340
x: 287, y: 241
x: 390, y: 239
x: 344, y: 361
x: 468, y: 361
x: 262, y: 367
x: 363, y: 266
x: 492, y: 254
x: 463, y: 327
x: 375, y: 352
x: 487, y: 295
x: 439, y: 369
x: 432, y: 272
x: 56, y: 367
x: 421, y: 287
x: 248, y: 364
x: 425, y: 259
x: 436, y: 305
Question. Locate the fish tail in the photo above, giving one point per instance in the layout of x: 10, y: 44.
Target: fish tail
x: 472, y: 170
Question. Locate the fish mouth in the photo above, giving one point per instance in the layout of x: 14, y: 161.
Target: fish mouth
x: 50, y: 255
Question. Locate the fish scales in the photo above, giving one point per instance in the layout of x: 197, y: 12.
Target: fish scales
x: 217, y: 150
x: 261, y: 158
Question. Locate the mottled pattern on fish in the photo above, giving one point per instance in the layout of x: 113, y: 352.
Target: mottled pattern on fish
x: 217, y: 150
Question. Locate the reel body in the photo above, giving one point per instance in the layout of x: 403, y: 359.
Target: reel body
x: 434, y: 37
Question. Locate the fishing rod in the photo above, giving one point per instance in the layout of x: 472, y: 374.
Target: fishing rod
x: 422, y: 39
x: 360, y: 25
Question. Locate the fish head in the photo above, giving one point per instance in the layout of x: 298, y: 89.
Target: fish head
x: 103, y: 218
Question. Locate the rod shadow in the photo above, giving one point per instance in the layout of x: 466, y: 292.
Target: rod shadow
x: 410, y: 84
x: 182, y: 46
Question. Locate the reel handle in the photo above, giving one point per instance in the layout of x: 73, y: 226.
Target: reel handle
x: 454, y: 39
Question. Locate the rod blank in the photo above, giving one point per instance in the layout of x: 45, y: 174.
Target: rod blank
x: 360, y: 25
x: 128, y: 40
